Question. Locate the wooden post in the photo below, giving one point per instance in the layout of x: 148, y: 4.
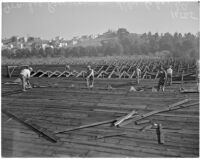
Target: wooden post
x: 156, y: 75
x: 8, y: 72
x: 160, y: 134
x: 144, y: 75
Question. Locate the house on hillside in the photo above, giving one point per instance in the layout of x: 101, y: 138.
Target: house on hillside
x: 62, y: 44
x: 44, y: 46
x: 74, y: 42
x: 25, y: 39
x: 93, y: 36
x: 21, y: 45
x: 10, y: 46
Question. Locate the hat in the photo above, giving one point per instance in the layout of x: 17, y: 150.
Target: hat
x: 30, y: 68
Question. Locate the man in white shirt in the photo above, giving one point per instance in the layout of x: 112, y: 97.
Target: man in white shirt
x: 25, y: 75
x: 138, y: 74
x: 90, y: 77
x: 67, y: 68
x: 169, y: 75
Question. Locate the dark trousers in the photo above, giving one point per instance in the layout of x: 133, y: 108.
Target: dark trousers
x: 24, y: 81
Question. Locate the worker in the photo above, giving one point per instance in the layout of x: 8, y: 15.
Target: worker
x: 67, y: 68
x: 163, y: 76
x: 117, y: 70
x: 138, y: 74
x: 90, y: 77
x: 169, y: 75
x: 25, y: 75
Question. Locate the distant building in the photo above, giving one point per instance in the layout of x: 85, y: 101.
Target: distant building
x: 60, y: 45
x: 25, y: 39
x: 11, y: 46
x: 93, y: 36
x: 21, y: 46
x: 74, y: 42
x: 44, y: 46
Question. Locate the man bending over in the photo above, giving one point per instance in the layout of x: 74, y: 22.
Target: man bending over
x: 25, y: 75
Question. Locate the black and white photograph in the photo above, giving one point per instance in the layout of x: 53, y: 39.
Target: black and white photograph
x: 100, y: 79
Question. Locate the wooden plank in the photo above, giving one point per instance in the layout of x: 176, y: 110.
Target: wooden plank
x: 142, y: 122
x: 191, y: 90
x: 47, y: 134
x: 111, y: 135
x: 132, y: 137
x: 81, y: 103
x: 125, y: 118
x: 87, y: 126
x: 156, y: 112
x: 125, y: 147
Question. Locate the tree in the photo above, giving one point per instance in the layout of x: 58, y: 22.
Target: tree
x: 13, y: 39
x: 49, y: 51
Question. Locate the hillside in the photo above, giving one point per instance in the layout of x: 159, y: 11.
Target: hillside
x: 110, y: 43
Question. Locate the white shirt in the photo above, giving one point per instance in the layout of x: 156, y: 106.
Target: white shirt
x: 169, y: 71
x: 26, y: 73
x: 138, y: 71
x: 92, y: 72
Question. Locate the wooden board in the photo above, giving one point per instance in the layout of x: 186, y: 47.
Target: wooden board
x: 66, y: 108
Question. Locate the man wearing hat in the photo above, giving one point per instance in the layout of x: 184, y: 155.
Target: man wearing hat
x: 169, y: 75
x: 90, y: 77
x: 138, y: 74
x: 25, y: 75
x: 162, y: 79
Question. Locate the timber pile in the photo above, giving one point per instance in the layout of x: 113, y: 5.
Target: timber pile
x: 64, y: 108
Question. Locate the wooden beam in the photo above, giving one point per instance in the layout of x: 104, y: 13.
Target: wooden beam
x: 156, y: 75
x: 89, y: 125
x: 146, y: 127
x: 191, y: 90
x: 86, y: 126
x: 160, y: 134
x: 111, y: 135
x: 125, y: 118
x: 142, y: 122
x: 154, y: 112
x: 41, y: 131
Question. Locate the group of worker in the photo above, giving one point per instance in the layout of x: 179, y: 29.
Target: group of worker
x: 89, y: 75
x: 25, y: 75
x: 165, y: 77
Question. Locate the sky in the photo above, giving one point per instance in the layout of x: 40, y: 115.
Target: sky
x: 68, y: 19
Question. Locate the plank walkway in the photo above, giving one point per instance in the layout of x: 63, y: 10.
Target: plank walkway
x: 63, y: 107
